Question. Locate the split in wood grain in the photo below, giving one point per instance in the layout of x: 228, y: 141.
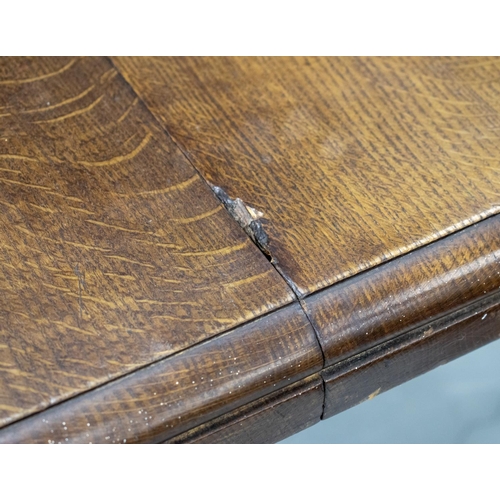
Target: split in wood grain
x: 114, y: 251
x: 353, y: 161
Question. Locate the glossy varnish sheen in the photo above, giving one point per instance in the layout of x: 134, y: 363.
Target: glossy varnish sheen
x: 379, y: 369
x: 133, y: 308
x: 353, y: 161
x: 397, y: 296
x: 186, y: 390
x: 267, y: 420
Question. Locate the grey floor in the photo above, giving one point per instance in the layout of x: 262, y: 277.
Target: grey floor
x: 455, y: 403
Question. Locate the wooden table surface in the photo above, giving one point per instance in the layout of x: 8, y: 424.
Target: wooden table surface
x: 230, y: 249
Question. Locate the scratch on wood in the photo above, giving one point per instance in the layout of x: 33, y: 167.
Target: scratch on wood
x: 247, y: 217
x: 81, y: 284
x: 375, y: 393
x: 428, y: 331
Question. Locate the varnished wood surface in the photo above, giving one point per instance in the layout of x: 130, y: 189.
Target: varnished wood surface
x: 114, y: 252
x: 133, y: 308
x: 353, y: 161
x: 385, y: 302
x: 268, y: 420
x: 414, y: 353
x: 188, y: 389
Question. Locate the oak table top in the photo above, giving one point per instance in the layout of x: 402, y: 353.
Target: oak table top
x: 230, y: 249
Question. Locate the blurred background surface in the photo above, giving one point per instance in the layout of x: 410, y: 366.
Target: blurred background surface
x: 455, y: 403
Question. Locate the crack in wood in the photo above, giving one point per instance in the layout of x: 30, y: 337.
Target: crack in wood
x: 247, y: 217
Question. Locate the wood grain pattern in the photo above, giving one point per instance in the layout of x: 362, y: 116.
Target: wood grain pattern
x: 133, y: 308
x: 114, y: 252
x: 266, y: 421
x: 382, y: 303
x: 414, y: 353
x: 173, y: 395
x: 353, y: 161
